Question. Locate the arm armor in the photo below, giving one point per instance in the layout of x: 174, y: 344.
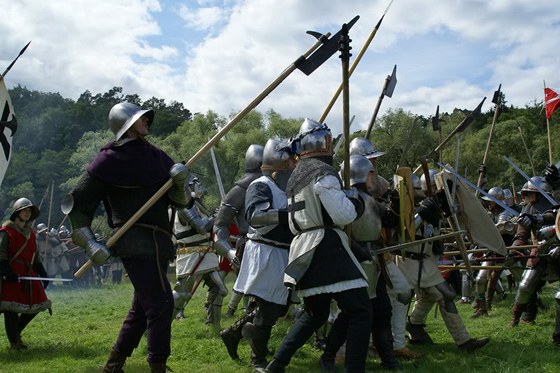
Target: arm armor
x: 192, y: 218
x: 96, y: 251
x: 262, y: 215
x: 179, y: 174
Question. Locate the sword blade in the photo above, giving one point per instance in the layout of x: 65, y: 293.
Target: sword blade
x: 31, y: 278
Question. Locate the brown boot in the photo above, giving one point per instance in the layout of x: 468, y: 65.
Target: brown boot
x: 516, y: 312
x: 158, y: 367
x: 406, y: 353
x: 115, y: 363
x: 418, y: 335
x: 232, y: 335
x: 481, y: 309
x: 474, y: 344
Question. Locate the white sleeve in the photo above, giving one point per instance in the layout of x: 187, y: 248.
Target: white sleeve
x: 338, y: 206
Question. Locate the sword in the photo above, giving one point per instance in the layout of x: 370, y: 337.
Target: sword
x: 522, y: 173
x: 30, y: 278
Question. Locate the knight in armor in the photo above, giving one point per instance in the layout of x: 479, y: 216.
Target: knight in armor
x: 366, y: 239
x: 232, y: 212
x: 399, y: 291
x: 537, y: 211
x: 20, y: 300
x: 321, y: 265
x: 196, y: 260
x: 124, y: 175
x: 420, y: 265
x: 266, y: 253
x: 487, y: 280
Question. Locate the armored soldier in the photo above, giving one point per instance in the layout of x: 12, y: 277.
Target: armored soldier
x: 125, y: 174
x: 366, y: 238
x: 20, y: 300
x: 420, y: 265
x: 232, y: 211
x: 266, y: 252
x: 487, y: 280
x: 321, y: 265
x: 363, y: 146
x: 537, y: 211
x: 195, y: 259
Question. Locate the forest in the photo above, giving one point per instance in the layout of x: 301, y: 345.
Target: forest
x: 57, y: 137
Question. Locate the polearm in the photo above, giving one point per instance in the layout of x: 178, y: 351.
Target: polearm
x: 388, y: 88
x: 436, y: 126
x: 405, y: 245
x: 460, y: 128
x: 536, y: 185
x: 307, y: 63
x: 341, y: 140
x: 345, y: 59
x: 14, y: 61
x: 548, y: 131
x: 218, y: 176
x: 354, y: 64
x: 496, y: 99
x: 526, y: 147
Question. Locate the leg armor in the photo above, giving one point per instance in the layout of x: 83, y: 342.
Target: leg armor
x: 216, y: 295
x: 182, y: 294
x: 529, y: 283
x: 482, y: 280
x: 556, y: 334
x: 465, y: 287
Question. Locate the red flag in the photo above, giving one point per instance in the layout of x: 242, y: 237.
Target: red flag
x: 551, y: 101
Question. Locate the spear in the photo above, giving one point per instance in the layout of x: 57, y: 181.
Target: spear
x: 354, y: 64
x: 548, y: 130
x: 14, y: 61
x: 496, y: 99
x: 526, y: 148
x: 436, y: 126
x: 307, y: 63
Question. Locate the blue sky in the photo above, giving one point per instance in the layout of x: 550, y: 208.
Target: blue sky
x: 219, y: 55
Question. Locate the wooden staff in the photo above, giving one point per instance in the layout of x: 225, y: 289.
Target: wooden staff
x: 496, y: 100
x: 548, y: 134
x: 205, y: 148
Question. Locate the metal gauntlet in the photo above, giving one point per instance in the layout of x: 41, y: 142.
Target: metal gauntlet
x: 192, y: 218
x: 96, y: 251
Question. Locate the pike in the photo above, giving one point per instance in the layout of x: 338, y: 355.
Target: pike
x: 520, y: 171
x: 436, y: 126
x: 460, y: 128
x: 405, y: 245
x: 341, y: 140
x: 14, y: 61
x: 526, y: 148
x: 354, y: 64
x: 321, y: 51
x: 387, y: 90
x: 496, y: 99
x: 345, y: 59
x: 218, y: 176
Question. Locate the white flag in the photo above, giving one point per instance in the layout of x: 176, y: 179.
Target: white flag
x: 8, y: 127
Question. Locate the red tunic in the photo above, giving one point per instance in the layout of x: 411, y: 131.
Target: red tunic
x: 24, y: 296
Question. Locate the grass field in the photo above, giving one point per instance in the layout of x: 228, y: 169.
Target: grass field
x: 78, y: 336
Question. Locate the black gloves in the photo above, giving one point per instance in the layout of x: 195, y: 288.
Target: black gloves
x: 6, y: 272
x: 530, y: 221
x: 482, y: 169
x: 552, y: 176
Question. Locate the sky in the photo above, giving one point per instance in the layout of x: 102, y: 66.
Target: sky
x: 220, y: 55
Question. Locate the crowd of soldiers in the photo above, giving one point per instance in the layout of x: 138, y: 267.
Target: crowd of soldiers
x: 359, y: 260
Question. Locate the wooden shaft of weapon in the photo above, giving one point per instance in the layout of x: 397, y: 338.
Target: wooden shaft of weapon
x: 454, y: 268
x: 350, y: 71
x: 221, y: 133
x: 548, y: 134
x: 377, y: 106
x: 490, y: 136
x: 526, y: 150
x: 516, y: 248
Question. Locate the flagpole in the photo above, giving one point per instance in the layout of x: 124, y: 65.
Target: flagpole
x: 548, y: 130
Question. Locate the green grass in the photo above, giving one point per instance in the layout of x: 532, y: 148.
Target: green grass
x: 78, y: 336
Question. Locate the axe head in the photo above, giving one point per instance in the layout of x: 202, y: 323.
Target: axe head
x: 391, y: 83
x: 435, y: 121
x: 311, y: 63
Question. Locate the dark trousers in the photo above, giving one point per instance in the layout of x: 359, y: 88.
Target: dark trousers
x: 355, y: 303
x: 380, y: 327
x: 150, y: 312
x: 15, y: 323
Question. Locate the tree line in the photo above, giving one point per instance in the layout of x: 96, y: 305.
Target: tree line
x: 57, y: 137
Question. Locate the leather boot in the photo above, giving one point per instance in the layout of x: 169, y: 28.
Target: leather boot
x: 383, y: 340
x: 232, y: 335
x: 417, y: 334
x: 474, y: 344
x: 115, y: 363
x: 516, y: 312
x: 157, y: 367
x: 275, y: 367
x: 258, y: 337
x: 406, y: 353
x: 481, y: 309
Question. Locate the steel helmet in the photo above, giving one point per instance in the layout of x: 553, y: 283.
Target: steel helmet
x: 363, y: 146
x: 360, y: 167
x: 496, y: 192
x: 41, y: 227
x: 22, y: 204
x: 315, y: 139
x: 122, y: 116
x: 531, y: 185
x: 275, y: 156
x: 253, y: 157
x: 508, y: 197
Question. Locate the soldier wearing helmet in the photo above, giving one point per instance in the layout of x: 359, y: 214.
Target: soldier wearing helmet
x: 266, y: 252
x: 124, y: 175
x: 363, y: 146
x: 322, y: 266
x: 536, y: 212
x: 366, y: 239
x: 20, y: 300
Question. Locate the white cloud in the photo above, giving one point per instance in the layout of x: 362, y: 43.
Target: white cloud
x: 202, y: 18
